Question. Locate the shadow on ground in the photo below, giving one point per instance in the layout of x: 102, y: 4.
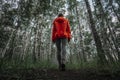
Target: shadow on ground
x: 53, y: 74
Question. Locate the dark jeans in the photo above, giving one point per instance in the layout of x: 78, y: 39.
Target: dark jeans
x: 61, y: 50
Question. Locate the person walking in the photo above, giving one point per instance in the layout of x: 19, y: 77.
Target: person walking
x: 61, y: 34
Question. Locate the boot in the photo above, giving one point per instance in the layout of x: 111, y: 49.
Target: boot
x: 60, y: 67
x: 63, y: 67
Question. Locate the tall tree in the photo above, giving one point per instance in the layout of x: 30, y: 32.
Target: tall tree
x: 100, y: 51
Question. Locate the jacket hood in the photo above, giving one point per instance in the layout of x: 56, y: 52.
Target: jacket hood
x: 60, y: 19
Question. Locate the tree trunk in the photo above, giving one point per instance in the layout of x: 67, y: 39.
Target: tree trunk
x: 104, y: 34
x: 109, y: 28
x: 100, y: 51
x: 80, y: 33
x: 7, y: 45
x: 34, y: 47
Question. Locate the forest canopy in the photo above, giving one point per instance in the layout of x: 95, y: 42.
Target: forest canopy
x: 25, y: 32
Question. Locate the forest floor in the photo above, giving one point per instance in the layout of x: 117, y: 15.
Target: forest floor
x: 54, y: 74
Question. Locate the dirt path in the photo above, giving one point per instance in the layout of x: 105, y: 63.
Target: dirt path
x: 52, y: 74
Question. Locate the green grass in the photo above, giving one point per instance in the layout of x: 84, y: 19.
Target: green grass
x: 28, y: 63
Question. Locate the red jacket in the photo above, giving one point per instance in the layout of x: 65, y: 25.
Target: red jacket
x: 61, y: 29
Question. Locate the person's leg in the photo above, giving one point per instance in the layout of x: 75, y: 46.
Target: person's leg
x: 58, y: 45
x: 63, y: 57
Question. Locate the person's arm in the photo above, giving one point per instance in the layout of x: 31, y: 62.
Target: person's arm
x: 53, y: 32
x: 68, y: 31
